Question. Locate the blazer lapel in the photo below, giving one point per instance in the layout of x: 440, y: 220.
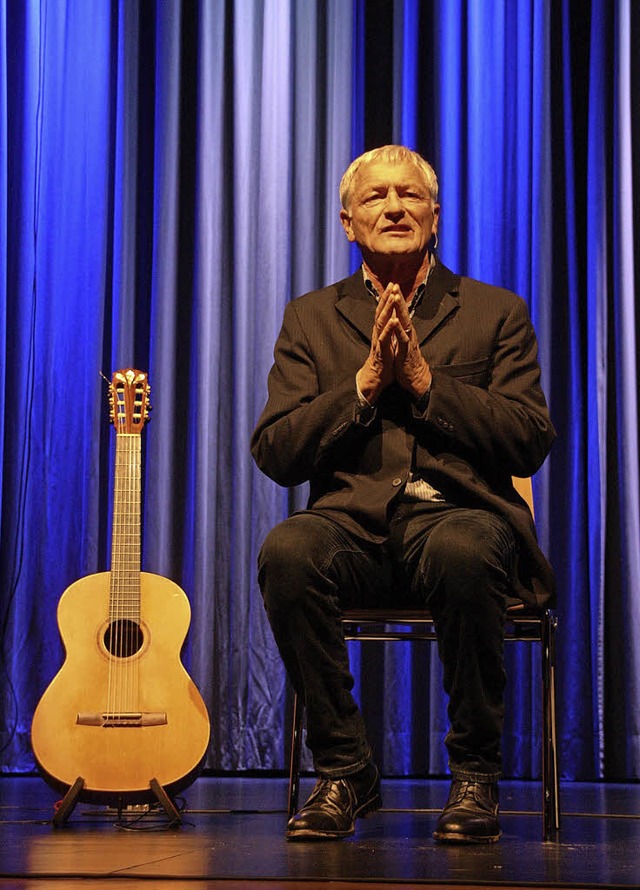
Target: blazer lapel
x: 439, y: 301
x: 356, y: 304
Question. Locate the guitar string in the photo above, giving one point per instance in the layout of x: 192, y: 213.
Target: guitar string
x: 117, y: 693
x: 123, y: 482
x: 128, y: 663
x: 115, y: 562
x: 122, y: 665
x: 124, y: 634
x: 114, y: 548
x: 133, y: 575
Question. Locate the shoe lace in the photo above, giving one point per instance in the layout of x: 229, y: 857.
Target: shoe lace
x: 328, y: 789
x: 475, y: 791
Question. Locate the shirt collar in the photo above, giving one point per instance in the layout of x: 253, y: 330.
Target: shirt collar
x: 417, y: 297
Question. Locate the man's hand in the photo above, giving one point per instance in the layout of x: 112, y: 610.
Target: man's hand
x: 395, y: 353
x: 378, y: 371
x: 411, y: 368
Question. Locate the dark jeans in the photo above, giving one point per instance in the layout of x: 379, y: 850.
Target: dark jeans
x: 456, y: 561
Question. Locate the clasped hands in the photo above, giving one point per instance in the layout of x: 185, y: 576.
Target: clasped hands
x: 395, y: 352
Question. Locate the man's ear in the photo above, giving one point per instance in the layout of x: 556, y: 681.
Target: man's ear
x: 345, y: 219
x: 436, y: 219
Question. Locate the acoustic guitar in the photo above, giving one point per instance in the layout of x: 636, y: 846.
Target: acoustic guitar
x: 122, y: 718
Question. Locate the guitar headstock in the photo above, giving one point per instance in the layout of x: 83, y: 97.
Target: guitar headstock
x: 129, y: 400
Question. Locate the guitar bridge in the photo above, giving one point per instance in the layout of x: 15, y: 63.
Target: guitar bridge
x: 122, y: 718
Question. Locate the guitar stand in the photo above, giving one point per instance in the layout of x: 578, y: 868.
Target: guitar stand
x: 68, y: 803
x: 167, y: 804
x: 74, y: 794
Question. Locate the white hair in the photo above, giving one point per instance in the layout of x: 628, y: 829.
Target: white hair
x: 392, y: 154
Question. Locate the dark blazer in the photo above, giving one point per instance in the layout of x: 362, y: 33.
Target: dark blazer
x: 486, y: 419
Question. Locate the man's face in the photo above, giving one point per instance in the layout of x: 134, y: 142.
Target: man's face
x: 391, y: 211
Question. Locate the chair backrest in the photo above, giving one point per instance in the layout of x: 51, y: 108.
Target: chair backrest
x: 525, y: 490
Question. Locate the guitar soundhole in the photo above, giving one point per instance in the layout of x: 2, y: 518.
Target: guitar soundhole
x: 123, y: 638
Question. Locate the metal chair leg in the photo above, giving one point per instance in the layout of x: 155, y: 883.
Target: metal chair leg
x: 295, y: 755
x: 550, y: 778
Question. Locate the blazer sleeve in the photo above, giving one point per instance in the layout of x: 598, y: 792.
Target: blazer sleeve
x: 300, y: 425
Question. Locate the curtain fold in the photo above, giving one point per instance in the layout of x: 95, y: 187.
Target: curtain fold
x: 168, y: 182
x: 3, y: 235
x: 624, y: 551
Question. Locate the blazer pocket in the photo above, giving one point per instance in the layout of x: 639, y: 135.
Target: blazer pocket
x: 476, y: 373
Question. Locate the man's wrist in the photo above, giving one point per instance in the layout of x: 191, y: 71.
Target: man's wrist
x: 422, y: 402
x: 363, y: 402
x: 422, y: 385
x: 423, y: 393
x: 366, y: 411
x: 367, y: 393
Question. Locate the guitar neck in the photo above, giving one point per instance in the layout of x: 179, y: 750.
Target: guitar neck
x: 125, y: 544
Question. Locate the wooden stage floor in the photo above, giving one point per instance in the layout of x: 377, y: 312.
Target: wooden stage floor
x: 232, y: 837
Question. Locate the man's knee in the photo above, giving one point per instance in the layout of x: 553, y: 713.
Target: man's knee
x: 285, y: 559
x: 470, y: 555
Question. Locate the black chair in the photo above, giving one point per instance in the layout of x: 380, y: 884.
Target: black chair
x: 523, y: 624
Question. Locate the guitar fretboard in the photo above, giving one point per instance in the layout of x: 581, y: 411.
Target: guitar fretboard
x: 125, y: 551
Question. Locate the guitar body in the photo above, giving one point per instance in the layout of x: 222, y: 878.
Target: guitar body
x: 120, y: 715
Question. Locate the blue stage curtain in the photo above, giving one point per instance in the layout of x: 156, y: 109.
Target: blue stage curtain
x: 168, y: 177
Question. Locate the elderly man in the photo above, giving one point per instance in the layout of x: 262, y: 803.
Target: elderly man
x: 407, y: 396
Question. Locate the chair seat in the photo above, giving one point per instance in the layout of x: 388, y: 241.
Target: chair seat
x: 523, y: 622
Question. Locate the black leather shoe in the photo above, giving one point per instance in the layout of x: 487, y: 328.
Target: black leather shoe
x: 335, y: 804
x: 471, y: 814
